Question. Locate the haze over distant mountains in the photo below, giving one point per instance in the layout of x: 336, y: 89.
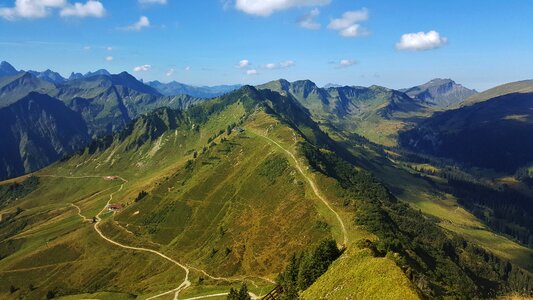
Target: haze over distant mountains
x: 176, y: 88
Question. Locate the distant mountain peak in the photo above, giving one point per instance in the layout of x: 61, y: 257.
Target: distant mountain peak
x: 6, y: 69
x: 174, y: 88
x: 440, y: 91
x: 49, y: 75
x: 98, y: 72
x: 332, y: 85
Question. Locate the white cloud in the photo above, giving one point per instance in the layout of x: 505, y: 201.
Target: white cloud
x: 152, y: 1
x: 343, y: 63
x: 282, y: 65
x: 170, y: 72
x: 286, y: 64
x: 267, y: 7
x: 42, y: 8
x: 91, y: 8
x: 137, y: 26
x: 308, y: 21
x: 353, y: 31
x: 187, y: 68
x: 109, y: 48
x: 348, y: 25
x: 251, y: 72
x: 142, y: 68
x: 87, y: 48
x: 109, y: 58
x: 421, y: 41
x: 243, y: 64
x: 30, y: 9
x: 349, y: 18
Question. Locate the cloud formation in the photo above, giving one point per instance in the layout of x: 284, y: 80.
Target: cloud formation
x: 91, y: 8
x: 170, y: 72
x: 243, y: 64
x: 143, y: 68
x: 109, y: 58
x: 348, y: 25
x: 308, y: 21
x: 344, y: 63
x: 282, y: 65
x: 137, y: 26
x: 421, y: 41
x: 33, y: 9
x: 251, y: 72
x: 265, y: 8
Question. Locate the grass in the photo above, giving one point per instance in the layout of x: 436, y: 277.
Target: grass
x: 359, y: 275
x: 220, y: 216
x: 423, y: 196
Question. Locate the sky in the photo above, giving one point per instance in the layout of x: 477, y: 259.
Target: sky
x: 392, y: 43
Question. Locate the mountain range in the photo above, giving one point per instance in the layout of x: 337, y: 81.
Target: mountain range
x: 344, y: 192
x: 176, y: 88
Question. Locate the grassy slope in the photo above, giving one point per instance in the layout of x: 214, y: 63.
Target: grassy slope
x: 359, y: 275
x: 524, y: 86
x: 216, y: 196
x: 421, y: 195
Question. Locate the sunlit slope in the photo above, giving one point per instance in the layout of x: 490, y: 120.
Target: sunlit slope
x: 237, y: 208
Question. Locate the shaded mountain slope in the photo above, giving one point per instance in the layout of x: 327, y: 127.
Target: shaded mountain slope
x: 14, y: 87
x: 36, y: 131
x: 495, y: 134
x: 524, y: 86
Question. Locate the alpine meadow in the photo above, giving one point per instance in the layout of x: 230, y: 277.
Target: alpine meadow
x: 266, y: 149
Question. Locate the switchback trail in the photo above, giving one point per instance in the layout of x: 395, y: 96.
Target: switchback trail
x: 313, y: 187
x: 185, y: 284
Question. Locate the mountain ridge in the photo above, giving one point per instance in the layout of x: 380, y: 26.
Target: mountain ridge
x: 440, y: 92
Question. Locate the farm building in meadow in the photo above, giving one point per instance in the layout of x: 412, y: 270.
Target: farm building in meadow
x: 115, y: 207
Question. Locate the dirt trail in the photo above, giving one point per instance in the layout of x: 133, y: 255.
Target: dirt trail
x: 185, y: 284
x: 313, y: 187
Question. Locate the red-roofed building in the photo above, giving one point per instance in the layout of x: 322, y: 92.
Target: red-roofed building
x: 115, y: 207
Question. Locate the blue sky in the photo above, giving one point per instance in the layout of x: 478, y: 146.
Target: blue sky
x: 355, y: 42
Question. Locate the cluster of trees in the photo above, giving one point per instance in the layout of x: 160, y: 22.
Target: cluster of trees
x: 241, y: 294
x: 438, y: 263
x: 141, y: 195
x: 305, y: 268
x: 503, y: 210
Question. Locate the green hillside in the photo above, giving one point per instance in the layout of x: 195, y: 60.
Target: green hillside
x: 228, y: 191
x: 524, y: 86
x: 376, y: 113
x: 190, y: 201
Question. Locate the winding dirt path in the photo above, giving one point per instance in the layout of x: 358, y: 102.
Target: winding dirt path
x: 313, y: 187
x: 185, y: 284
